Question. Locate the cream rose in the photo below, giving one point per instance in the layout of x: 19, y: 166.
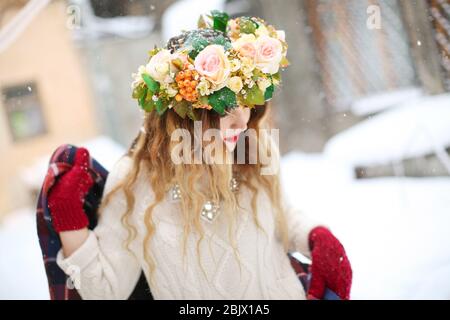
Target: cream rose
x: 235, y: 84
x: 246, y: 46
x: 213, y: 64
x: 160, y: 66
x: 268, y: 54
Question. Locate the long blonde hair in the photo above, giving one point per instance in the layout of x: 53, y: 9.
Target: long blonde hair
x: 151, y: 151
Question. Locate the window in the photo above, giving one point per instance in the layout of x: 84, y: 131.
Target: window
x: 23, y: 111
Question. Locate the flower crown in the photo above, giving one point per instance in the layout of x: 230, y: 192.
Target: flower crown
x: 222, y: 64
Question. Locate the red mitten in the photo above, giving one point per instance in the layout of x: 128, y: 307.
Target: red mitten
x: 330, y: 266
x: 66, y: 197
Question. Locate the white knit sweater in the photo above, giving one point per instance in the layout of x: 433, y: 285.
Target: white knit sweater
x: 107, y: 270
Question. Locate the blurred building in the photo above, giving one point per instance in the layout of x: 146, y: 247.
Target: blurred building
x: 341, y: 55
x: 45, y: 96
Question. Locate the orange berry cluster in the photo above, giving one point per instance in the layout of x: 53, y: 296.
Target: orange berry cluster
x: 187, y: 85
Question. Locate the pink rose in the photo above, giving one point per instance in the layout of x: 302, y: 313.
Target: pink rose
x: 248, y: 50
x: 213, y: 64
x: 268, y: 54
x: 246, y: 46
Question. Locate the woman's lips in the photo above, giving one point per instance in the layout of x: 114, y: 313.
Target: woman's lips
x: 232, y: 138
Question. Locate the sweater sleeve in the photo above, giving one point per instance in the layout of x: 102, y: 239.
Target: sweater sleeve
x: 299, y: 225
x: 102, y: 267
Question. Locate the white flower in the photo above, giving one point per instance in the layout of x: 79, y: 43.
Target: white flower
x: 137, y: 77
x: 247, y: 66
x: 203, y: 86
x: 281, y: 35
x: 235, y: 84
x: 160, y: 66
x: 171, y: 92
x: 261, y: 30
x: 235, y: 65
x: 263, y: 83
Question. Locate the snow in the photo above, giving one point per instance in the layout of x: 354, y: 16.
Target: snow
x: 22, y: 272
x: 411, y: 129
x: 183, y: 15
x: 378, y: 102
x: 395, y: 230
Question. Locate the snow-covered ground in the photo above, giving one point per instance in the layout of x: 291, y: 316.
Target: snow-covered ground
x: 22, y: 272
x: 395, y: 230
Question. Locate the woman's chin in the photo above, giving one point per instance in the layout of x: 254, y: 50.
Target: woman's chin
x: 230, y: 145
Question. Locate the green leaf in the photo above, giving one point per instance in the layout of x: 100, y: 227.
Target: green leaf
x: 181, y: 108
x: 160, y: 107
x: 142, y: 98
x: 269, y: 92
x: 222, y: 99
x: 221, y: 40
x: 220, y: 20
x: 191, y: 114
x: 247, y: 25
x: 198, y: 43
x: 148, y: 106
x: 254, y: 96
x: 151, y: 83
x: 138, y: 92
x: 277, y: 76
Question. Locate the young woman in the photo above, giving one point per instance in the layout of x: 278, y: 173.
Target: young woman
x: 198, y: 229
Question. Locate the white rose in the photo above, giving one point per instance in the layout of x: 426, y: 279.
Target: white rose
x: 159, y: 66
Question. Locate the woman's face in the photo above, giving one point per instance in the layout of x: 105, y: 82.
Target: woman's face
x: 233, y: 124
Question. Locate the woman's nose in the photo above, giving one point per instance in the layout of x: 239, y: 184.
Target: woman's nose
x: 239, y: 123
x: 239, y: 120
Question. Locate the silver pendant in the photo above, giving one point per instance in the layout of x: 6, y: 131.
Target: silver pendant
x: 175, y: 193
x: 210, y: 211
x: 234, y: 185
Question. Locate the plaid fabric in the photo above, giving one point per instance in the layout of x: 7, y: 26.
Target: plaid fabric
x: 60, y: 285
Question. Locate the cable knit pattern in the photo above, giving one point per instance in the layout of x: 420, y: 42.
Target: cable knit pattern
x: 105, y: 269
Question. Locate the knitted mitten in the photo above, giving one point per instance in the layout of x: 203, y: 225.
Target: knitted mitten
x: 66, y: 197
x: 330, y: 266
